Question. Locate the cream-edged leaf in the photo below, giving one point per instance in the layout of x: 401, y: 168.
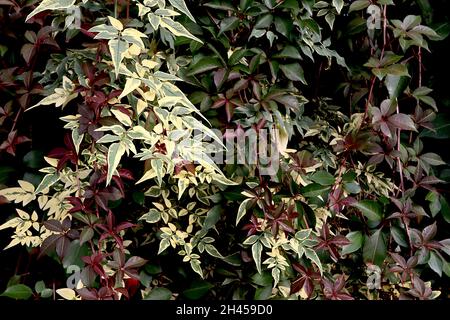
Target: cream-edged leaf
x: 115, y: 153
x: 181, y: 6
x: 130, y: 85
x: 242, y: 210
x: 116, y: 23
x: 118, y: 49
x: 177, y: 29
x: 50, y: 5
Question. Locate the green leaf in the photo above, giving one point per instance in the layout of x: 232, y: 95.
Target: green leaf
x: 262, y: 279
x: 159, y: 294
x: 263, y: 21
x: 228, y: 24
x: 359, y: 5
x: 435, y: 263
x: 212, y: 216
x: 371, y: 209
x: 18, y: 292
x: 293, y: 72
x: 263, y: 293
x: 39, y: 286
x: 395, y: 85
x: 256, y: 254
x: 221, y: 5
x: 34, y: 159
x: 441, y: 128
x: 445, y: 209
x: 197, y: 289
x: 115, y: 153
x: 5, y: 172
x: 399, y: 236
x: 432, y: 159
x: 356, y: 238
x: 117, y: 48
x: 242, y: 210
x: 314, y: 190
x: 203, y: 65
x: 312, y: 25
x: 429, y: 101
x: 46, y: 293
x: 397, y: 70
x: 51, y: 5
x: 86, y: 234
x: 352, y: 187
x: 323, y: 177
x: 375, y: 248
x: 244, y: 4
x: 181, y: 6
x: 289, y: 52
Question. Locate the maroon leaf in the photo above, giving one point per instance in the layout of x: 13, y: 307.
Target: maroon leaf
x: 402, y: 121
x: 135, y: 262
x: 53, y: 225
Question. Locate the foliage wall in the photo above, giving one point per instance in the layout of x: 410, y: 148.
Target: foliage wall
x: 113, y: 115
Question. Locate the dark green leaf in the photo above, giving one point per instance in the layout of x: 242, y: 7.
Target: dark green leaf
x: 323, y: 177
x: 375, y: 248
x: 34, y: 159
x: 197, y: 289
x: 356, y: 238
x: 435, y: 263
x: 293, y: 72
x: 399, y: 236
x: 262, y: 279
x: 18, y: 292
x: 359, y: 5
x: 314, y: 190
x: 263, y: 293
x: 159, y: 294
x: 264, y: 21
x: 212, y: 217
x: 228, y: 24
x: 203, y: 65
x: 371, y: 209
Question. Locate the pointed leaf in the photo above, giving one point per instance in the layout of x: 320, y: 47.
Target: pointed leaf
x: 115, y: 153
x: 117, y: 48
x: 375, y: 248
x: 242, y: 210
x: 51, y: 5
x: 256, y: 254
x: 18, y: 292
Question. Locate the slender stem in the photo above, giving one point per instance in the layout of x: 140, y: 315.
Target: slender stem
x: 408, y: 236
x: 399, y: 161
x: 369, y: 99
x: 115, y: 8
x: 420, y: 66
